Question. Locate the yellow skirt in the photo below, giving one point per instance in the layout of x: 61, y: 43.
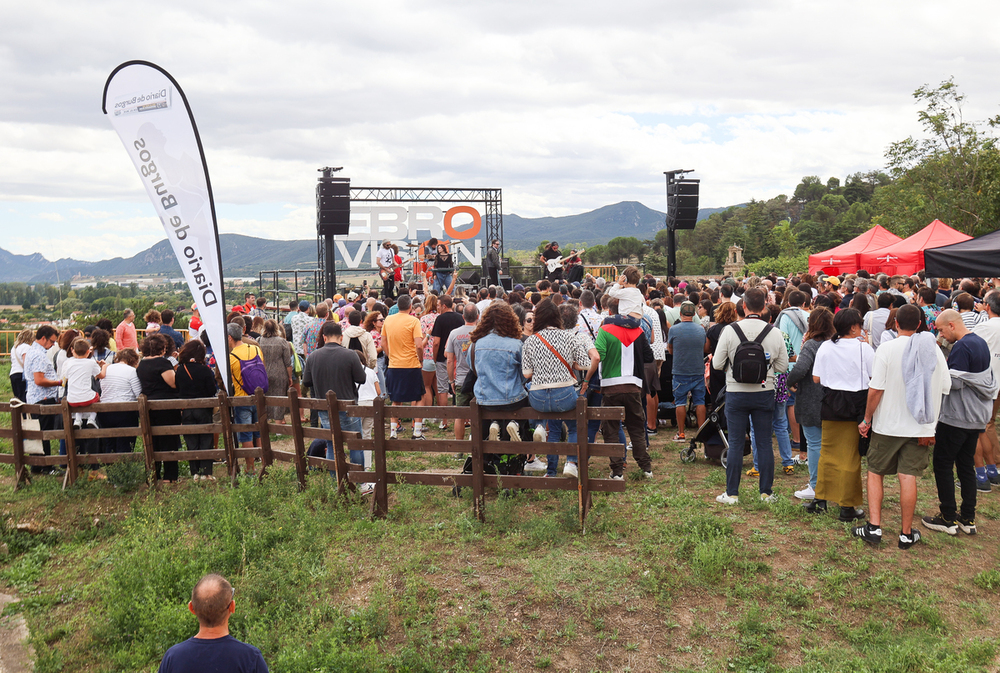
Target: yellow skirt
x: 838, y: 477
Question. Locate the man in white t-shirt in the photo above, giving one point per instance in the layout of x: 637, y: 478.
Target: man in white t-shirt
x: 385, y: 260
x: 909, y: 378
x: 988, y: 447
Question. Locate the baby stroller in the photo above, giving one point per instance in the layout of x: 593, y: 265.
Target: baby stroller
x: 712, y: 434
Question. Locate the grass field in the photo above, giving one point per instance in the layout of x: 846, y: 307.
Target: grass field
x: 664, y: 579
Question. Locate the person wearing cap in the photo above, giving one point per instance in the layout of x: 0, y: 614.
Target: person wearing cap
x: 386, y: 266
x: 300, y: 323
x: 688, y: 343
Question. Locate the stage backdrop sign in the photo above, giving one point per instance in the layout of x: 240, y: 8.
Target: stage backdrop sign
x: 151, y: 115
x: 412, y: 223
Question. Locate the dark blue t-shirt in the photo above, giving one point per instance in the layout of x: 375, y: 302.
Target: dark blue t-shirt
x: 971, y: 353
x: 213, y: 655
x: 688, y: 343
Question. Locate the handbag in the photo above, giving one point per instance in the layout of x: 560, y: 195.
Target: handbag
x: 469, y: 384
x: 32, y: 447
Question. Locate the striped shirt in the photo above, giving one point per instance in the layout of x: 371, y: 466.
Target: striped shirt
x: 120, y: 384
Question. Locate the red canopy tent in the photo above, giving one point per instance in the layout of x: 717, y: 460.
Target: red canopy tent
x: 845, y: 257
x: 907, y: 256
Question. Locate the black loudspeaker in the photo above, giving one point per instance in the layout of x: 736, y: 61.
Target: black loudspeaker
x: 333, y: 206
x: 506, y: 282
x: 469, y: 277
x: 682, y: 204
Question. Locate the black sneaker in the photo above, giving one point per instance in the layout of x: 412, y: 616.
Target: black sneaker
x: 967, y: 526
x: 815, y: 507
x: 849, y: 514
x: 940, y: 524
x: 993, y: 478
x: 869, y: 533
x: 907, y: 541
x: 983, y: 485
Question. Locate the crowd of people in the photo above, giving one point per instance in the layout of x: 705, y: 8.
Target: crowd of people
x: 831, y: 368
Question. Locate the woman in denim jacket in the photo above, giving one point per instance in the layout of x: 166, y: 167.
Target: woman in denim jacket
x: 496, y: 356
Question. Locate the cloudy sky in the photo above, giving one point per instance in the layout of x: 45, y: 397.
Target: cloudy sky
x: 566, y: 106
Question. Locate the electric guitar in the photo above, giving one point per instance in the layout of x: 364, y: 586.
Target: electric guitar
x: 555, y: 263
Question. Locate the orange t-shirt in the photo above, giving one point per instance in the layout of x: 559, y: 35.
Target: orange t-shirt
x: 399, y: 333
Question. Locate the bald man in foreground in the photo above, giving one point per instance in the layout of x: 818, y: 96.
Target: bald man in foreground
x: 212, y: 649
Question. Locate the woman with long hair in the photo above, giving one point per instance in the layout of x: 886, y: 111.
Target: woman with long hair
x: 156, y: 376
x: 194, y: 379
x: 495, y: 355
x: 552, y: 356
x: 277, y: 354
x: 725, y: 314
x: 373, y: 325
x: 429, y: 371
x: 809, y: 394
x: 843, y: 366
x: 22, y: 345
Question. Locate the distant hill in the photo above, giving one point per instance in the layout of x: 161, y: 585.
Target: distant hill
x: 248, y: 255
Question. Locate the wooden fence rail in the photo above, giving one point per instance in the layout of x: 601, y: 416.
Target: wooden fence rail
x: 345, y: 473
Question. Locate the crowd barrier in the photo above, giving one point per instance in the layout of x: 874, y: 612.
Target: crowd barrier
x: 345, y: 473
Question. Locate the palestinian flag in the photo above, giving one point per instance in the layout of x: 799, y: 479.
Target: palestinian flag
x: 617, y: 348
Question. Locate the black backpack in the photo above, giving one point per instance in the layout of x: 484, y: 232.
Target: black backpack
x: 750, y: 362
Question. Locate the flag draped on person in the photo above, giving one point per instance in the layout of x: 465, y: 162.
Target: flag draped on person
x: 151, y: 115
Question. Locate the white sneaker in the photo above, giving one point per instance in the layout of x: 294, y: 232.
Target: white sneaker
x: 513, y: 431
x: 494, y: 431
x: 196, y: 477
x: 536, y: 466
x: 798, y: 460
x: 628, y: 447
x: 768, y: 498
x: 366, y: 489
x: 727, y: 499
x: 618, y: 477
x: 570, y: 470
x: 444, y: 425
x: 392, y: 434
x: 539, y: 434
x: 648, y: 475
x: 806, y: 494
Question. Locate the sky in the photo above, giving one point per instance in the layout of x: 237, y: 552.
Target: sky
x: 565, y: 106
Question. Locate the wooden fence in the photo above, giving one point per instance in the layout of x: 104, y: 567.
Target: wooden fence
x: 346, y: 474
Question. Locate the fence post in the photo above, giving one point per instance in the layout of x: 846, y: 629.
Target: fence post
x: 333, y: 415
x: 266, y: 457
x: 227, y: 436
x: 20, y: 474
x: 380, y: 498
x: 67, y: 418
x: 147, y: 437
x: 478, y: 488
x: 583, y: 457
x: 297, y: 439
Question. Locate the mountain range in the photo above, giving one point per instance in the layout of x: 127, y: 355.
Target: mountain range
x: 248, y: 255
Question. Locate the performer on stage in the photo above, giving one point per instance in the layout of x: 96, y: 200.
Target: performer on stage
x: 551, y: 252
x: 493, y: 263
x: 574, y: 267
x: 385, y: 258
x: 444, y: 268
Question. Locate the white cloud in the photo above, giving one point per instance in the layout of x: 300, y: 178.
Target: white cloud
x: 51, y: 217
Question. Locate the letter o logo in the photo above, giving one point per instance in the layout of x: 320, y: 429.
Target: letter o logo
x: 471, y: 232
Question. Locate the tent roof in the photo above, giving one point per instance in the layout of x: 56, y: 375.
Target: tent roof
x: 934, y: 235
x: 845, y: 255
x: 977, y: 257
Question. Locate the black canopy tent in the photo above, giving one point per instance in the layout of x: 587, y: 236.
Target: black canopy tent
x: 976, y: 258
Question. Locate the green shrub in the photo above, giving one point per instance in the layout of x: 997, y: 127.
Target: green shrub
x: 127, y: 475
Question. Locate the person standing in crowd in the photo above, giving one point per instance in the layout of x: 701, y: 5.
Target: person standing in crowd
x: 988, y: 447
x: 156, y: 377
x: 909, y: 379
x: 125, y: 332
x: 212, y: 648
x: 357, y: 338
x: 623, y: 353
x: 195, y: 324
x: 333, y: 367
x: 687, y: 344
x: 240, y: 353
x: 195, y: 380
x: 843, y: 366
x: 809, y: 393
x: 750, y: 400
x: 300, y: 323
x: 429, y: 373
x: 21, y: 347
x: 447, y: 321
x: 964, y: 414
x: 493, y: 262
x: 277, y: 353
x: 120, y: 384
x: 457, y: 357
x: 402, y: 341
x: 167, y: 328
x: 43, y: 384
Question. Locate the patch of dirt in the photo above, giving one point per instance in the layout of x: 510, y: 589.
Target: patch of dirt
x: 16, y: 654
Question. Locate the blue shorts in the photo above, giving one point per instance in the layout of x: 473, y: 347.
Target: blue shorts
x: 693, y: 385
x: 404, y: 385
x: 244, y: 416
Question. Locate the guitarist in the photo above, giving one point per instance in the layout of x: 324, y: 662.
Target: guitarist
x: 551, y: 252
x: 574, y: 267
x: 387, y: 269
